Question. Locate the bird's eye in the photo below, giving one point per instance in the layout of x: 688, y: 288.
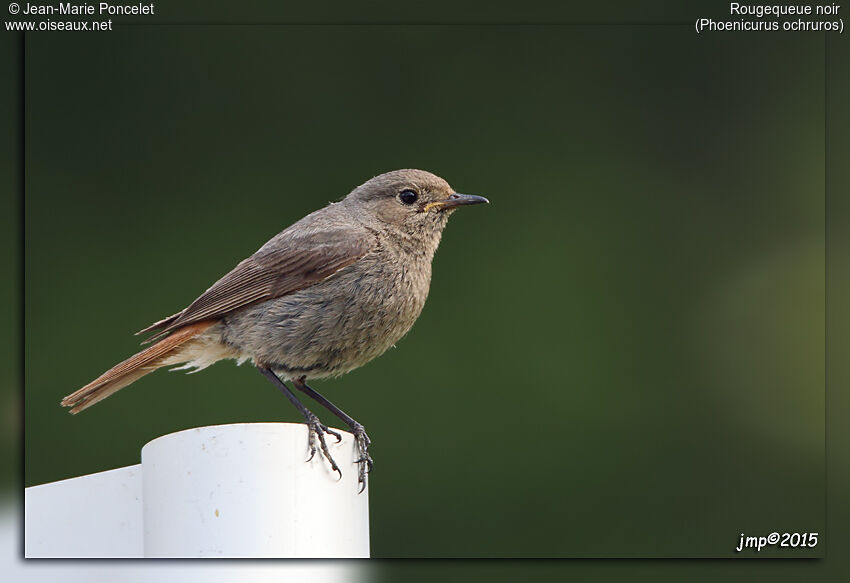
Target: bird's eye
x: 407, y: 196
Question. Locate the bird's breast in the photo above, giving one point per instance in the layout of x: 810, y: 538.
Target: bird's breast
x: 338, y: 324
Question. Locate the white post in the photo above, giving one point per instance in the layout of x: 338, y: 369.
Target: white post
x: 93, y: 516
x: 242, y: 490
x: 245, y: 490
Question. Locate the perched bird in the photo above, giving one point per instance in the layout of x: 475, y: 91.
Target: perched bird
x: 321, y: 298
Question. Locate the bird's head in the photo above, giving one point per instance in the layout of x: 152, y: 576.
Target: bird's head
x: 415, y: 202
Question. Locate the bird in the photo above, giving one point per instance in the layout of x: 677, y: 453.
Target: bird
x: 323, y: 297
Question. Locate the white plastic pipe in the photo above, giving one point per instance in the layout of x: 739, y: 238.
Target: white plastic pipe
x: 245, y: 490
x: 93, y: 516
x: 224, y: 491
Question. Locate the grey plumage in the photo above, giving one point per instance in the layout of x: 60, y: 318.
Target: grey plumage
x: 321, y: 298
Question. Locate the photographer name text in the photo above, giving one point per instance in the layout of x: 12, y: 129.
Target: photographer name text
x: 100, y: 9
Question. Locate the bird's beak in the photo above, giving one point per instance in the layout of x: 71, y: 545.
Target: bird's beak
x: 453, y: 201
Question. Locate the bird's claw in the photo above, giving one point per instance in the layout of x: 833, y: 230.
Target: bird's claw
x: 364, y: 462
x: 317, y: 431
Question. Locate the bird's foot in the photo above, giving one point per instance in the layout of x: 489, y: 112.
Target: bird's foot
x: 364, y: 461
x: 317, y: 431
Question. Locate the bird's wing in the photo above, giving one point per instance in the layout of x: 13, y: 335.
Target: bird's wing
x: 291, y: 261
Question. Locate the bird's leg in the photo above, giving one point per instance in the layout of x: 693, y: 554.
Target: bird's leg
x: 315, y: 427
x: 363, y: 442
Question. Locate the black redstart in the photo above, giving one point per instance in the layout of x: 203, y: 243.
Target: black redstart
x: 321, y: 298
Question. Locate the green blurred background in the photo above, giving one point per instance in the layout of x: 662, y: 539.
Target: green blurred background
x: 622, y: 355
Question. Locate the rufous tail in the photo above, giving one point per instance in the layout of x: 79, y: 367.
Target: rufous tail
x: 134, y: 368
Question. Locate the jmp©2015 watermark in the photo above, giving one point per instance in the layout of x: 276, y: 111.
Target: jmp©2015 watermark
x: 786, y: 539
